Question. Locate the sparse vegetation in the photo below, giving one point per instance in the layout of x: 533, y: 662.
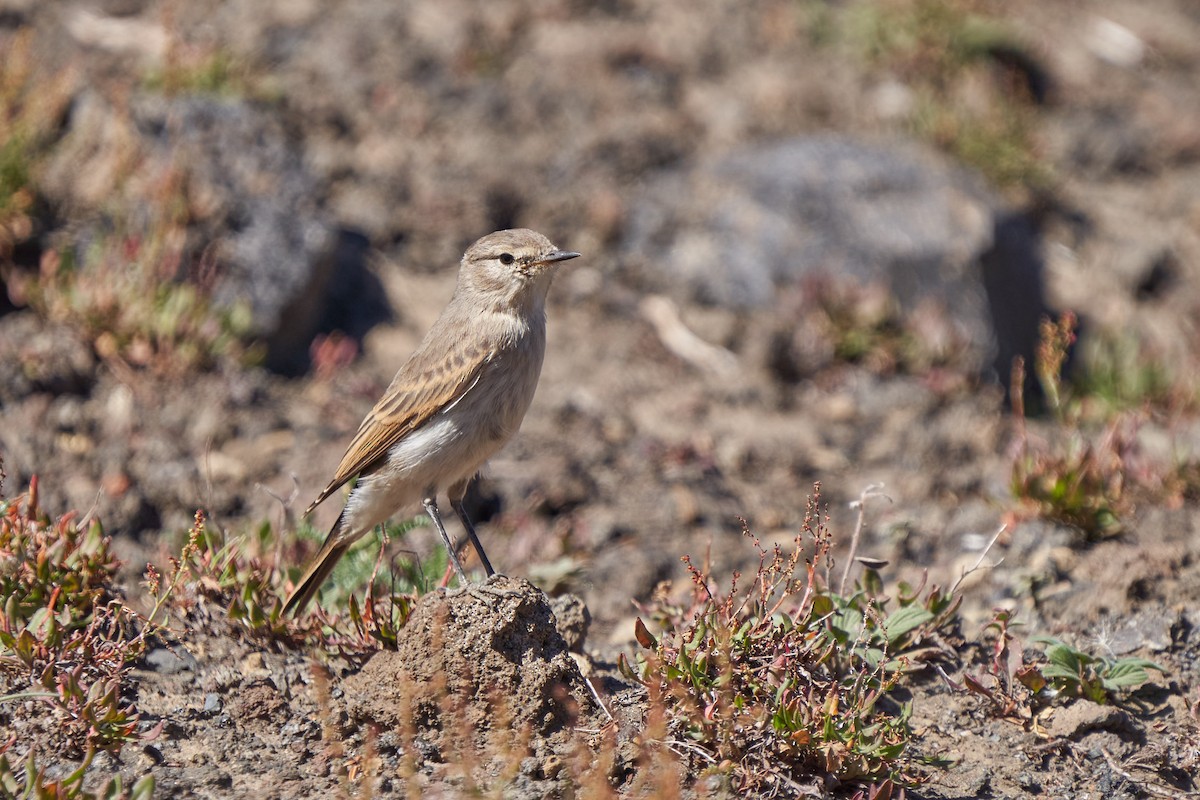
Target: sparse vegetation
x: 1119, y: 373
x: 68, y: 640
x: 1001, y: 143
x: 783, y: 681
x: 1075, y: 673
x: 845, y: 322
x: 932, y: 39
x: 242, y: 580
x: 67, y: 643
x: 1086, y: 469
x: 1020, y: 686
x: 969, y: 80
x: 131, y: 283
x: 134, y: 295
x: 866, y: 325
x: 190, y: 70
x: 29, y: 781
x: 31, y: 107
x: 1069, y: 478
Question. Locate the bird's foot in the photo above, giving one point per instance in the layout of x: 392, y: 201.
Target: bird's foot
x: 488, y: 589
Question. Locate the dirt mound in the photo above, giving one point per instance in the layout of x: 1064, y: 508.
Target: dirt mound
x: 492, y: 650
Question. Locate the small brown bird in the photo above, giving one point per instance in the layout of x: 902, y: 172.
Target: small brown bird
x: 454, y: 403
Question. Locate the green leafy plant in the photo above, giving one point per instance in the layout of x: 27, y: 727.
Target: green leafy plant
x: 1075, y: 673
x: 388, y: 599
x: 864, y: 629
x: 1086, y: 468
x: 782, y: 680
x: 1007, y: 682
x: 406, y: 574
x: 211, y: 573
x: 1019, y: 686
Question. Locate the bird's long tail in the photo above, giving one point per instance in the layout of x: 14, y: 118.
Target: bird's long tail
x: 318, y: 570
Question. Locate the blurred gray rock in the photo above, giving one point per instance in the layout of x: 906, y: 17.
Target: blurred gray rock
x: 274, y: 233
x: 733, y: 230
x: 273, y: 244
x: 257, y: 230
x: 170, y: 660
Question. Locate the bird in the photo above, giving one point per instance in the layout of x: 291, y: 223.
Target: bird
x: 457, y: 400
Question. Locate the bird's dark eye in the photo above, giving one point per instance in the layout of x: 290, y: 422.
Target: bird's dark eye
x: 506, y: 258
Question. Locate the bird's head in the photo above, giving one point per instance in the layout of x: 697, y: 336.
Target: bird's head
x: 513, y: 266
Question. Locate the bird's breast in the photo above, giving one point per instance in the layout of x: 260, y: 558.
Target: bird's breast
x: 505, y: 391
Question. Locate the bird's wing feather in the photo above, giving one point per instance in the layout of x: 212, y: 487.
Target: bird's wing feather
x: 424, y: 386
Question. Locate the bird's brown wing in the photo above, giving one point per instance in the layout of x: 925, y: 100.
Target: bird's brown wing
x: 429, y: 382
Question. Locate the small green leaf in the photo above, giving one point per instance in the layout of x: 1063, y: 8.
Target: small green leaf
x: 905, y: 620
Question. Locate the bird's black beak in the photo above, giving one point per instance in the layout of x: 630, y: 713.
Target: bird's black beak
x: 558, y: 255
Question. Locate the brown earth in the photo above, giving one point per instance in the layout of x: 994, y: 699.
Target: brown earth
x: 427, y: 124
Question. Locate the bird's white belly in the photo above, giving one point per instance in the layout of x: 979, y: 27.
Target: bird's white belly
x: 449, y: 448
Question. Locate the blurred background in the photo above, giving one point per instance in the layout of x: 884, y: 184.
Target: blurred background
x: 815, y: 236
